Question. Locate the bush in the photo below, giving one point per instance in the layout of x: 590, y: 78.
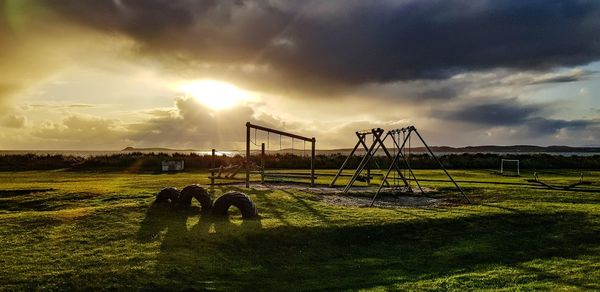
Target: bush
x: 151, y: 162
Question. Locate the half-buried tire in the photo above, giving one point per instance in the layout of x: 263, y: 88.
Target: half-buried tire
x: 199, y: 193
x: 237, y: 199
x: 168, y: 195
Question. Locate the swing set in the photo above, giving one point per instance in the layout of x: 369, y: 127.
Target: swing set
x: 399, y: 160
x: 261, y: 167
x: 406, y: 134
x: 377, y: 142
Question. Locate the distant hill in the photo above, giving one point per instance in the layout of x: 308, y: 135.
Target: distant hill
x: 492, y: 149
x: 438, y: 149
x: 523, y: 148
x: 133, y: 149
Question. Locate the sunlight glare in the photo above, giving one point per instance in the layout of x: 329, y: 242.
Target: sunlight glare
x: 216, y: 95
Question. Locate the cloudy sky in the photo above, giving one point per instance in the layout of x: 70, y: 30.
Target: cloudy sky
x: 105, y: 74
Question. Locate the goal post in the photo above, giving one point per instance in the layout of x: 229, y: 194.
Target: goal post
x: 510, y: 161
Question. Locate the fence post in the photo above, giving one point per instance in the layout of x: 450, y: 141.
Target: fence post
x: 312, y: 162
x: 247, y: 155
x: 212, y: 168
x: 262, y: 163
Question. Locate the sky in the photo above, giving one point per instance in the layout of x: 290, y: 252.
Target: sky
x: 106, y: 74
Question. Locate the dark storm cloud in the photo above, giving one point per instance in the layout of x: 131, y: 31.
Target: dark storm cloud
x: 213, y: 31
x: 543, y: 126
x: 503, y: 113
x: 511, y: 113
x: 574, y: 76
x: 561, y: 79
x: 355, y: 42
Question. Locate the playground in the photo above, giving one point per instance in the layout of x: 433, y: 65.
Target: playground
x: 376, y: 223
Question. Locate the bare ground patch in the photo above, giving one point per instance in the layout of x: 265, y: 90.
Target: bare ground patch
x: 386, y: 201
x: 362, y: 196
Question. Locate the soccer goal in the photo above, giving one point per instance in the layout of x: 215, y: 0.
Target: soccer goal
x: 513, y: 167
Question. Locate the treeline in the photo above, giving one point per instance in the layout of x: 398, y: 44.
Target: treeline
x: 144, y: 162
x: 472, y: 161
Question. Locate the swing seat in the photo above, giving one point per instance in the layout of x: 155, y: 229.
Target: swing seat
x: 282, y: 175
x: 225, y: 178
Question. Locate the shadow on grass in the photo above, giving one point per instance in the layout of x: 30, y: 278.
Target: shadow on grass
x: 20, y: 192
x: 39, y: 201
x: 249, y: 257
x: 164, y: 217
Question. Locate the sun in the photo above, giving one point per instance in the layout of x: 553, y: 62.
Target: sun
x: 215, y: 94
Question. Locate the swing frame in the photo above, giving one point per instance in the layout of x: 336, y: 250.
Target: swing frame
x: 407, y: 132
x: 370, y: 151
x: 250, y: 126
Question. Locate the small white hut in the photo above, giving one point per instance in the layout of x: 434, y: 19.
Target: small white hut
x: 172, y: 165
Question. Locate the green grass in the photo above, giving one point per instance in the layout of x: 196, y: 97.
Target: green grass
x: 101, y: 231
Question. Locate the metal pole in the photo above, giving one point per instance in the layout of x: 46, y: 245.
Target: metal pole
x: 442, y: 166
x: 361, y: 165
x: 262, y: 163
x: 367, y: 149
x: 408, y: 165
x: 389, y: 156
x: 312, y: 162
x: 384, y: 179
x: 368, y: 173
x: 377, y: 141
x: 345, y: 162
x: 248, y: 155
x: 380, y: 143
x: 394, y: 161
x: 212, y: 168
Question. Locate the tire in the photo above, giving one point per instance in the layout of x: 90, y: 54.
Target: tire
x: 169, y: 195
x: 237, y: 199
x: 195, y: 191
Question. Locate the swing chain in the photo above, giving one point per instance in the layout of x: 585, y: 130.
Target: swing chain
x: 304, y: 149
x: 254, y: 142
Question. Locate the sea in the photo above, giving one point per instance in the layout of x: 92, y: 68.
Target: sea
x: 90, y: 153
x: 231, y: 153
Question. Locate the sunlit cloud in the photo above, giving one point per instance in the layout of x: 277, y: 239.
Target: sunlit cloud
x: 216, y: 95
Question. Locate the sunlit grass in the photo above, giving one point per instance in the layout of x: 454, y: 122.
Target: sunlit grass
x: 101, y: 231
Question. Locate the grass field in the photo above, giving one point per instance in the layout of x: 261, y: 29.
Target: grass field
x: 101, y: 231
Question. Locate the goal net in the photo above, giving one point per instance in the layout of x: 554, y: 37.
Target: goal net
x: 510, y: 167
